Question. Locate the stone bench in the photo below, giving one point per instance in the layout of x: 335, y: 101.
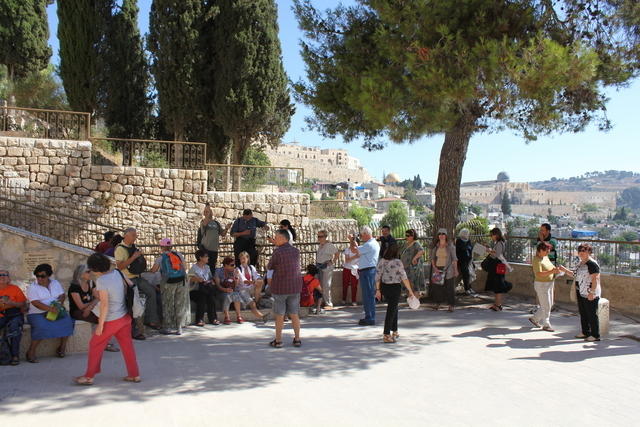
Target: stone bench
x: 78, y: 342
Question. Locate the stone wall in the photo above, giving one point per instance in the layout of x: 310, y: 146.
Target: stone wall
x: 160, y: 201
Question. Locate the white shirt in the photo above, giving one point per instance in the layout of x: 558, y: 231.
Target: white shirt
x: 353, y: 264
x: 43, y: 294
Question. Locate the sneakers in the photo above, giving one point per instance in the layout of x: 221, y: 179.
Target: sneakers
x: 363, y: 322
x: 581, y: 336
x: 592, y: 339
x: 321, y: 311
x: 353, y: 304
x: 534, y: 322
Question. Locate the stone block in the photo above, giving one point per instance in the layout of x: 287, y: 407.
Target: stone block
x: 141, y: 172
x: 173, y: 173
x: 63, y: 181
x: 105, y: 169
x: 50, y: 153
x: 119, y: 197
x: 64, y: 161
x: 37, y: 152
x: 10, y: 161
x: 75, y: 182
x: 182, y: 174
x: 46, y: 168
x: 168, y: 184
x: 42, y: 177
x: 34, y: 168
x: 164, y: 173
x: 167, y: 205
x: 58, y: 169
x: 188, y: 186
x: 118, y: 170
x: 153, y: 203
x: 104, y: 186
x: 136, y: 180
x: 188, y: 174
x: 130, y: 199
x: 138, y: 190
x: 127, y: 189
x: 123, y: 179
x: 96, y: 176
x: 85, y: 172
x: 97, y: 194
x: 72, y: 171
x: 90, y: 184
x: 167, y: 193
x: 116, y: 188
x: 84, y: 145
x: 82, y: 191
x: 156, y: 191
x: 15, y: 151
x: 129, y: 171
x: 53, y: 180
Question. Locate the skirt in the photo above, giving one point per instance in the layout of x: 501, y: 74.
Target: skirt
x: 42, y: 329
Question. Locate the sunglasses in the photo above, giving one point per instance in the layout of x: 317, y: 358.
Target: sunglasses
x: 582, y: 250
x: 41, y: 276
x: 232, y: 265
x: 4, y: 275
x: 320, y: 236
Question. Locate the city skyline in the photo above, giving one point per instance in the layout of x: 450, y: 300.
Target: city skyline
x: 559, y: 156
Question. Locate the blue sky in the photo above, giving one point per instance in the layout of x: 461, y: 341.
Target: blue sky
x: 560, y: 156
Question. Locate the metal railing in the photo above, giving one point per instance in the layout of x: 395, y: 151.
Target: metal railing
x: 252, y: 178
x: 155, y: 153
x: 613, y: 256
x: 48, y: 124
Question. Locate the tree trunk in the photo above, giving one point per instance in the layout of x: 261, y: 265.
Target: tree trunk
x: 452, y: 158
x: 239, y: 150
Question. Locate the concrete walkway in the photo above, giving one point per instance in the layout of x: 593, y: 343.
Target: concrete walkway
x: 470, y: 367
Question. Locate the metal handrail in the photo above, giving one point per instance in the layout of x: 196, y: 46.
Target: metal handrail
x: 149, y: 141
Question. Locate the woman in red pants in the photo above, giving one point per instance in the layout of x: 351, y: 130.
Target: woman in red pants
x: 114, y: 320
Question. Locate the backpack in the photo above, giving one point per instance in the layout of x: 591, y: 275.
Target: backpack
x: 304, y: 292
x: 172, y: 268
x: 139, y: 265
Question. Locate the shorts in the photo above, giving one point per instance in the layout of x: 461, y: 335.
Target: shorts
x: 241, y: 297
x: 317, y: 294
x: 286, y: 304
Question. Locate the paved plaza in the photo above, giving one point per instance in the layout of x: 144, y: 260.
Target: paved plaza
x: 470, y: 367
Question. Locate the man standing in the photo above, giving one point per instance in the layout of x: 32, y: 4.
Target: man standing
x: 244, y: 231
x: 367, y: 260
x: 386, y: 239
x: 326, y: 257
x: 131, y: 262
x: 544, y: 235
x: 285, y: 286
x: 209, y: 234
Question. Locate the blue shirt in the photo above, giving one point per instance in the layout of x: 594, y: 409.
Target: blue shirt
x: 368, y: 254
x: 241, y: 225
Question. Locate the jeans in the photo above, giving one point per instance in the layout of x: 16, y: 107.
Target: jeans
x: 14, y: 332
x: 119, y: 328
x: 391, y: 294
x: 589, y: 316
x: 349, y: 281
x: 544, y: 291
x: 367, y: 285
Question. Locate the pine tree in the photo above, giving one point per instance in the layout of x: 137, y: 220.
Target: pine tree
x: 82, y: 25
x: 406, y: 69
x: 505, y: 204
x: 173, y: 42
x: 24, y: 35
x: 251, y: 100
x: 127, y: 103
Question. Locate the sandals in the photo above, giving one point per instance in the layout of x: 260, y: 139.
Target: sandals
x: 436, y: 307
x: 215, y: 322
x: 276, y: 344
x: 226, y: 321
x: 32, y: 359
x: 396, y: 335
x: 200, y: 323
x: 240, y: 319
x: 496, y: 307
x: 388, y: 339
x: 60, y: 354
x: 297, y: 342
x: 83, y: 381
x: 132, y: 379
x: 14, y: 361
x: 450, y: 309
x: 112, y: 348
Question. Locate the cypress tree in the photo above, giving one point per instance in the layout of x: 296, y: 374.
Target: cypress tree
x: 251, y: 100
x: 24, y: 34
x: 81, y: 28
x: 173, y: 43
x: 127, y: 103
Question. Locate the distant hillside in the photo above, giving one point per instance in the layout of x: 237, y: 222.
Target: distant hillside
x: 592, y: 181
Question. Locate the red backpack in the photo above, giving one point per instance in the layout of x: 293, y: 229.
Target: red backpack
x: 304, y: 292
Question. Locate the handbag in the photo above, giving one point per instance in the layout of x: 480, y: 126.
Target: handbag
x: 135, y: 304
x: 501, y: 268
x: 486, y: 264
x: 437, y: 277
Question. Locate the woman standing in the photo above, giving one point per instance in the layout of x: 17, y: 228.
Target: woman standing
x: 464, y: 252
x: 444, y: 260
x: 114, y: 320
x: 495, y: 281
x: 390, y: 275
x: 173, y: 289
x: 411, y: 253
x: 588, y: 290
x: 544, y: 272
x: 83, y: 298
x: 46, y: 296
x: 203, y: 290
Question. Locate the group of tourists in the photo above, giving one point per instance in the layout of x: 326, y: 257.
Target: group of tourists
x: 120, y: 301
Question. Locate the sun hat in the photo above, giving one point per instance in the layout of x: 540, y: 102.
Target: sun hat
x: 442, y: 231
x: 165, y: 242
x: 414, y: 302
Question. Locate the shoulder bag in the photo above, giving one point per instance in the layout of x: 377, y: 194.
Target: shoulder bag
x: 133, y: 302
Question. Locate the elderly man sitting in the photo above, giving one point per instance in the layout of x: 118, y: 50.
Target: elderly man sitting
x: 13, y: 304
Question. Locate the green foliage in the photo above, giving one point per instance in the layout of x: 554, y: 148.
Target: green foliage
x: 154, y: 159
x: 24, y: 34
x: 251, y: 99
x: 605, y: 233
x: 621, y: 214
x: 476, y: 209
x: 40, y: 89
x: 252, y: 178
x: 505, y: 205
x: 589, y: 220
x: 361, y: 214
x: 628, y: 236
x: 173, y: 41
x: 408, y: 69
x: 82, y: 25
x: 127, y: 103
x: 589, y: 207
x: 397, y: 218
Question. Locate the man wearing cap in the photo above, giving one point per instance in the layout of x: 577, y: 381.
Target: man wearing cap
x: 174, y: 292
x: 244, y: 231
x: 367, y: 254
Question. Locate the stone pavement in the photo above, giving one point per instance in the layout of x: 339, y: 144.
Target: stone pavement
x: 470, y: 367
